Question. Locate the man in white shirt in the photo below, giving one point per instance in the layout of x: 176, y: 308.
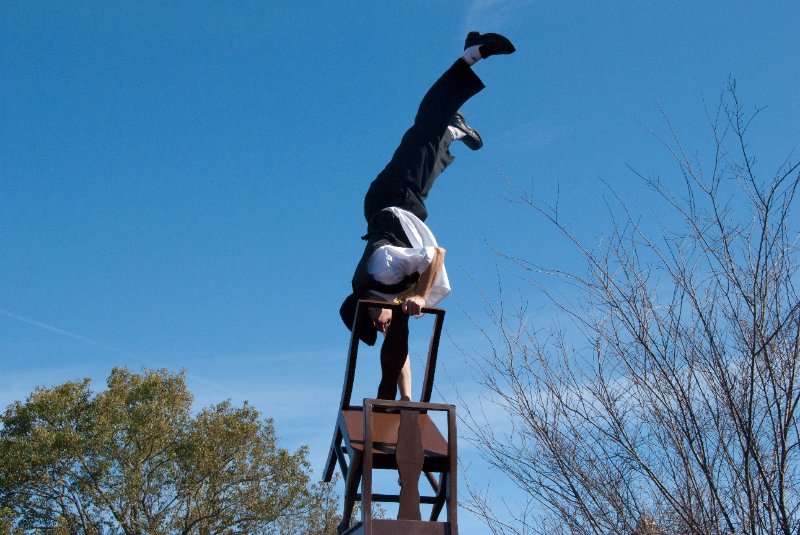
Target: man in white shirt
x: 402, y: 261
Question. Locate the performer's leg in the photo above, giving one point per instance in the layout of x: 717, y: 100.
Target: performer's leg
x: 423, y: 152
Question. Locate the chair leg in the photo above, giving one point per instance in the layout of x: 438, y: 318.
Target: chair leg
x: 330, y: 464
x: 350, y: 491
x: 441, y: 496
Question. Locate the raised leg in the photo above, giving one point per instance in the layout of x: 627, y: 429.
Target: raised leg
x: 423, y: 152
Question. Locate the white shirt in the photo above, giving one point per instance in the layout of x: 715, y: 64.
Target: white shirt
x: 390, y: 264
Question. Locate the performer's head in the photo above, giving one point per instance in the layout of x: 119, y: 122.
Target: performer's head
x: 368, y: 323
x: 381, y: 317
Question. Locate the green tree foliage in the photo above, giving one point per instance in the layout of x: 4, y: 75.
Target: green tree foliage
x: 135, y: 460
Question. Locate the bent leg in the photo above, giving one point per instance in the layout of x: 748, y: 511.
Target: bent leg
x: 423, y: 152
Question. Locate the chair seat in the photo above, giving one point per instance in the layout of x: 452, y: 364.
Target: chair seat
x: 384, y: 438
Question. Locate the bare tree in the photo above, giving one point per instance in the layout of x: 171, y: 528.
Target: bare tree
x: 674, y: 410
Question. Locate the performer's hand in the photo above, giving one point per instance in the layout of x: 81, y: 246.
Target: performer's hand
x: 413, y: 305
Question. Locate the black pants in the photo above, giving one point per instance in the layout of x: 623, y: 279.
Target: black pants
x: 424, y: 150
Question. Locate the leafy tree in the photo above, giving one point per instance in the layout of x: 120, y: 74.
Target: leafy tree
x: 133, y: 459
x: 674, y: 409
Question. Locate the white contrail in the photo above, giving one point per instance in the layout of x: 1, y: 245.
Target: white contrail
x: 56, y: 330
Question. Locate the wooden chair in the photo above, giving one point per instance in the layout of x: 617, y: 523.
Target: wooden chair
x: 395, y: 435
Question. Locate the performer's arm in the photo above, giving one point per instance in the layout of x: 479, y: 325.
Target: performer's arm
x: 413, y: 304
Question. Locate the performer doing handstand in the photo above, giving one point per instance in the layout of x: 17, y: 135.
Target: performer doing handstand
x: 402, y: 261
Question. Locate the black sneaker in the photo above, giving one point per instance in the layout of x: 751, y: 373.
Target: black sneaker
x: 490, y: 43
x: 472, y: 138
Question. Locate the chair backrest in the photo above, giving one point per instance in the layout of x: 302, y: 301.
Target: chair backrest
x: 352, y: 354
x: 410, y: 456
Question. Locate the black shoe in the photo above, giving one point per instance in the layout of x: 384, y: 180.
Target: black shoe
x: 490, y: 44
x: 472, y: 139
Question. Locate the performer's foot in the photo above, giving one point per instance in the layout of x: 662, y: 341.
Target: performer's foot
x: 469, y: 136
x: 489, y: 44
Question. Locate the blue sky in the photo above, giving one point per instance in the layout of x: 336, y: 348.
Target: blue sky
x: 181, y: 183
